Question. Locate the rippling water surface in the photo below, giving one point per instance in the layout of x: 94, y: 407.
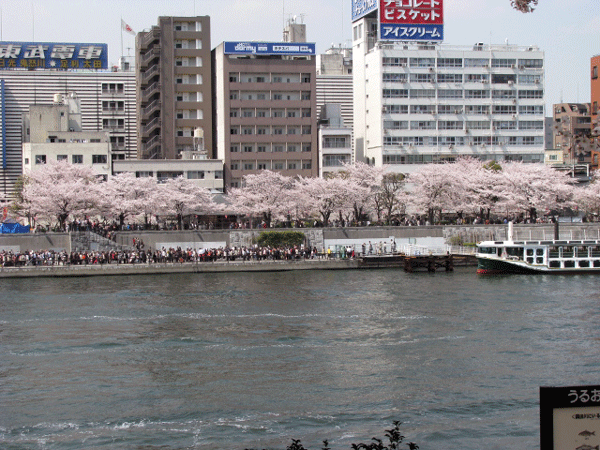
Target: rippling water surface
x: 241, y: 360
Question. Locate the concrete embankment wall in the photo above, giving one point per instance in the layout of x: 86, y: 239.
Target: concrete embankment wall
x: 322, y: 238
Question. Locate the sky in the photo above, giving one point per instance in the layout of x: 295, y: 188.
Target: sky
x: 567, y: 31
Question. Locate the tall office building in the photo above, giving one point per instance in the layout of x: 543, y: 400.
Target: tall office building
x: 107, y: 101
x: 421, y: 102
x: 174, y: 103
x: 265, y: 104
x: 334, y: 87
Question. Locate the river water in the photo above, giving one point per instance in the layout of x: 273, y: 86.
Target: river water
x: 254, y: 360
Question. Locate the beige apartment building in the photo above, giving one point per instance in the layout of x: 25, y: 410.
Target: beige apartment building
x: 174, y: 102
x: 265, y: 109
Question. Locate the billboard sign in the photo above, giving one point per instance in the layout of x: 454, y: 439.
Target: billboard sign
x: 570, y: 417
x: 270, y: 48
x: 52, y: 55
x: 360, y: 8
x: 411, y: 20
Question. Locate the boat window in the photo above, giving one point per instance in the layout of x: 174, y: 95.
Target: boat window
x: 539, y: 260
x: 595, y: 251
x: 567, y: 252
x: 553, y: 252
x: 570, y: 263
x: 539, y: 252
x: 514, y: 251
x: 584, y: 263
x: 596, y: 263
x: 555, y: 264
x: 529, y: 252
x: 489, y: 250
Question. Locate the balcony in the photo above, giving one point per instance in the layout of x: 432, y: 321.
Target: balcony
x: 152, y: 54
x: 150, y: 91
x: 154, y: 123
x: 149, y: 37
x: 152, y: 107
x: 147, y: 76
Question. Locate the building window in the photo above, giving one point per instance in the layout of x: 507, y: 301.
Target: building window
x: 77, y: 159
x: 235, y: 165
x: 233, y: 113
x: 261, y: 166
x: 278, y: 166
x: 99, y: 159
x: 292, y: 148
x: 248, y: 148
x: 594, y: 72
x: 292, y: 165
x: 305, y: 96
x: 248, y: 166
x: 278, y: 148
x: 195, y: 175
x: 306, y: 165
x: 218, y: 174
x: 334, y: 142
x: 233, y: 78
x: 40, y: 159
x: 62, y: 157
x: 234, y: 148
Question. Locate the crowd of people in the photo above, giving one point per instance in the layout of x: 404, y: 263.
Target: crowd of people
x: 139, y: 255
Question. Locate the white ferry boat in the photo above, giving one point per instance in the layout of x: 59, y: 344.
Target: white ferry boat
x: 544, y: 256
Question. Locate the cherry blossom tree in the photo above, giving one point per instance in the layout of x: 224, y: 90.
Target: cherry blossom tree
x: 180, y: 196
x: 433, y: 189
x: 529, y: 188
x: 322, y: 196
x: 392, y: 197
x: 267, y: 193
x: 364, y: 182
x: 125, y: 195
x: 588, y: 197
x: 524, y: 6
x: 59, y: 189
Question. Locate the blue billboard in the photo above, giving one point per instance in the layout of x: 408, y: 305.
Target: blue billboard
x: 270, y: 48
x: 53, y: 55
x: 361, y: 8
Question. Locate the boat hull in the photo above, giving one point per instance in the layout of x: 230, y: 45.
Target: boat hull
x: 494, y: 267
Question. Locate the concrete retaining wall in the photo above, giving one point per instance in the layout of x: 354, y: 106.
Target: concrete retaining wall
x: 321, y: 238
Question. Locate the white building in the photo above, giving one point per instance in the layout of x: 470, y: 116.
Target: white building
x: 54, y: 133
x: 206, y: 173
x: 107, y: 104
x: 334, y: 87
x: 417, y: 103
x: 335, y: 141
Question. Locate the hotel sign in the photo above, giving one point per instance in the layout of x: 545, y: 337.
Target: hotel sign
x: 270, y: 48
x: 52, y: 55
x: 411, y: 20
x: 570, y: 417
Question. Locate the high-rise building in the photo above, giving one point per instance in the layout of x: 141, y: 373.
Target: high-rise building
x: 572, y: 122
x: 107, y: 101
x: 425, y: 102
x: 174, y: 103
x: 265, y: 109
x: 334, y: 87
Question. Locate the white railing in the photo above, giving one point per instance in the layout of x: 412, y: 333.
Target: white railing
x: 421, y: 250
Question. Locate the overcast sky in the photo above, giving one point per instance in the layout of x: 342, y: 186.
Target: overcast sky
x: 567, y: 31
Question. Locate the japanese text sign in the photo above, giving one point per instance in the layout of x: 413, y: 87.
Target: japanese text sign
x: 405, y: 20
x: 569, y: 417
x: 51, y: 55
